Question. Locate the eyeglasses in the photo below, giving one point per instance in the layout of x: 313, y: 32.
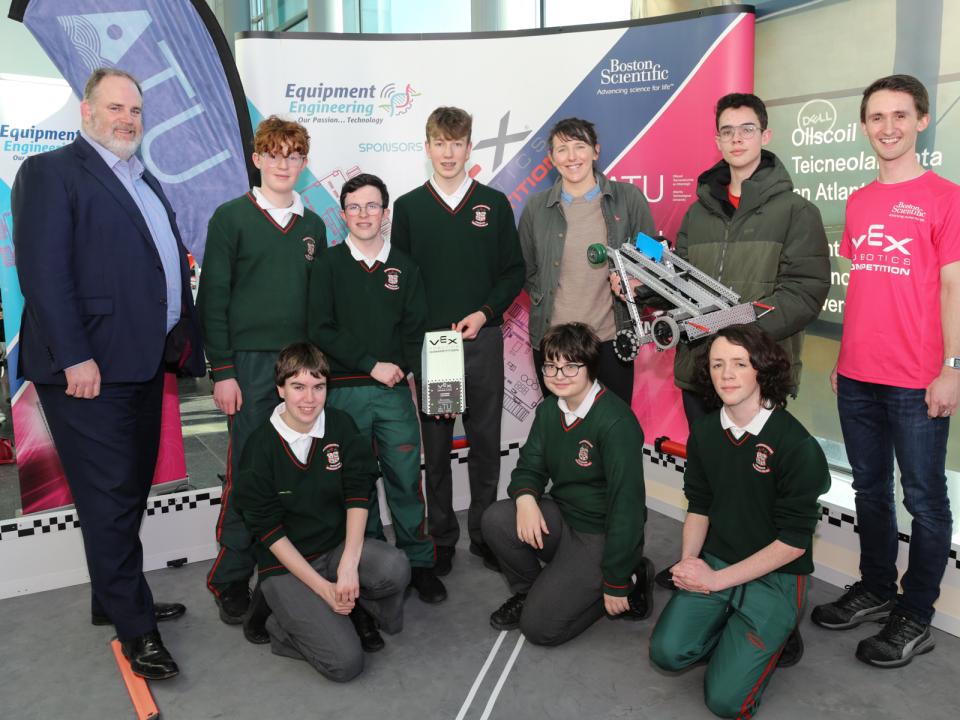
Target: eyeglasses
x: 271, y: 160
x: 570, y: 370
x: 372, y: 208
x: 746, y: 131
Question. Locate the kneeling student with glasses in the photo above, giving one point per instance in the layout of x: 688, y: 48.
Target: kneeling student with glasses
x: 587, y: 526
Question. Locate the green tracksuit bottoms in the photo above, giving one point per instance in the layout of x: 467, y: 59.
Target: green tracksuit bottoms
x: 389, y: 417
x: 235, y: 561
x: 742, y: 630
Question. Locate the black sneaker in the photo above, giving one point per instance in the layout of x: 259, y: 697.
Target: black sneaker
x: 427, y: 584
x: 482, y: 550
x: 857, y: 605
x: 641, y: 599
x: 255, y: 620
x: 507, y: 616
x: 444, y: 562
x: 792, y: 650
x: 665, y: 578
x: 896, y: 644
x: 366, y: 627
x: 234, y: 601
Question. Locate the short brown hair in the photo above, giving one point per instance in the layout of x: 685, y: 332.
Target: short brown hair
x: 575, y: 342
x: 275, y: 132
x: 297, y: 358
x: 898, y: 83
x: 98, y: 75
x: 449, y: 123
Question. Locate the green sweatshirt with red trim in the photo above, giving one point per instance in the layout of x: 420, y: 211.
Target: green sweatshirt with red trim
x: 254, y: 281
x: 278, y: 496
x: 469, y: 256
x: 757, y: 489
x: 594, y: 469
x: 361, y: 315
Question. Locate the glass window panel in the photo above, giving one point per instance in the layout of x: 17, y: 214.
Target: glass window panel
x: 577, y: 12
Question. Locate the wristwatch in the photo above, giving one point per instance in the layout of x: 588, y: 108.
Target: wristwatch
x: 953, y: 362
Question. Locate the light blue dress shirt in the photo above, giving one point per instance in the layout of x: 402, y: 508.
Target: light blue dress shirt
x: 130, y: 174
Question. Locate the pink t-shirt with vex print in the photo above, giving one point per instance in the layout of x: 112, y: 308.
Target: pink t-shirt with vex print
x: 897, y: 236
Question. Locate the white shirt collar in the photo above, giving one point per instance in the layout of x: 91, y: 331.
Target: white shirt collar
x: 299, y: 442
x: 360, y: 257
x: 570, y: 416
x: 753, y: 427
x: 280, y: 214
x: 454, y: 199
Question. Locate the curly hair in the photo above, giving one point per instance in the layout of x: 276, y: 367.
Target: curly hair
x: 274, y: 133
x: 766, y: 356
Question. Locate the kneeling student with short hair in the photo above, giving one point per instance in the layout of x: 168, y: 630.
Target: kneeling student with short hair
x: 752, y: 481
x: 587, y: 444
x: 304, y: 485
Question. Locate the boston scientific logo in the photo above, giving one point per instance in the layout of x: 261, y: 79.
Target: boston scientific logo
x: 623, y: 77
x: 322, y: 103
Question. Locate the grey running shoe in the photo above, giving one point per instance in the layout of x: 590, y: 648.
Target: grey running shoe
x: 857, y: 605
x: 896, y: 644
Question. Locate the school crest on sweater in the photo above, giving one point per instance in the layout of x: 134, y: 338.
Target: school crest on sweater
x: 583, y: 454
x: 393, y: 278
x: 761, y: 463
x: 331, y: 451
x: 480, y: 215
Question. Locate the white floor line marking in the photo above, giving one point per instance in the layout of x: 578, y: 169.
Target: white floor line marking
x: 480, y: 676
x: 503, y: 678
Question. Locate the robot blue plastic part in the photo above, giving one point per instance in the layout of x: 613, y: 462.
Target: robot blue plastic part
x: 700, y: 304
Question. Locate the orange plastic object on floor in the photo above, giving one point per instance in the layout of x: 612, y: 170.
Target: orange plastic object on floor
x: 143, y: 702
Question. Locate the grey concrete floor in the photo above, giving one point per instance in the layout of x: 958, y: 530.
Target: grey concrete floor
x: 55, y: 664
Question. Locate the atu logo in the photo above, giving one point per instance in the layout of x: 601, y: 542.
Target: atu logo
x: 817, y: 114
x: 398, y: 102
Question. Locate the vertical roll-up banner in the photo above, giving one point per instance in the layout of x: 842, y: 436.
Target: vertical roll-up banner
x: 196, y: 127
x: 649, y: 86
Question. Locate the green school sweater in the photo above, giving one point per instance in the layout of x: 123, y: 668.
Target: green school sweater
x: 254, y: 280
x: 595, y: 471
x: 469, y: 256
x: 756, y: 489
x: 361, y: 315
x: 278, y: 496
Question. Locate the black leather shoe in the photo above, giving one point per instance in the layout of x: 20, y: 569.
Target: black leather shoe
x: 161, y: 611
x: 234, y: 601
x: 427, y: 584
x: 366, y: 627
x: 665, y: 578
x: 255, y: 621
x: 792, y: 650
x: 507, y: 616
x: 149, y: 658
x: 444, y: 562
x: 490, y: 561
x: 641, y: 599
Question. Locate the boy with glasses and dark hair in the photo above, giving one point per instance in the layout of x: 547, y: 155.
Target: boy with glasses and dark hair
x: 586, y: 445
x: 897, y: 379
x: 463, y: 236
x: 252, y: 302
x: 749, y: 230
x: 367, y: 313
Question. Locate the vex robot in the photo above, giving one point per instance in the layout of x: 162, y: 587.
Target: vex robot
x: 700, y: 305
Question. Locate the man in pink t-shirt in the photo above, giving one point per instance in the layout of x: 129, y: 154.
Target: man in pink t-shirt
x: 898, y: 375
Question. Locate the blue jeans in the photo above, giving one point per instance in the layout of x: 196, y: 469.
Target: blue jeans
x: 878, y: 422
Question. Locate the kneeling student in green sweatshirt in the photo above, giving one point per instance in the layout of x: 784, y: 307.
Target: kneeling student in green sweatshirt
x: 304, y: 485
x: 752, y: 481
x: 587, y: 445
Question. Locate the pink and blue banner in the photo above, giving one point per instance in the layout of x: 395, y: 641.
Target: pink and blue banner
x: 196, y: 127
x: 649, y: 86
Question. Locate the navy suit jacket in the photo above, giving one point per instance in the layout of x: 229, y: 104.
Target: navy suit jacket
x: 91, y: 276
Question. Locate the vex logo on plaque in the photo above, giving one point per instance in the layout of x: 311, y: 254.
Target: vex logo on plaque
x: 443, y: 388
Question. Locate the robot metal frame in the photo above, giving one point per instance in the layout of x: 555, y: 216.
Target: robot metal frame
x: 701, y: 305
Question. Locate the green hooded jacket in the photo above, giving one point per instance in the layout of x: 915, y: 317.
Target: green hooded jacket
x: 771, y: 249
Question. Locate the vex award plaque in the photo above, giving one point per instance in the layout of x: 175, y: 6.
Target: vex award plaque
x: 443, y: 385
